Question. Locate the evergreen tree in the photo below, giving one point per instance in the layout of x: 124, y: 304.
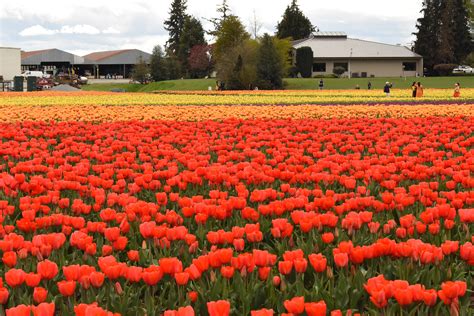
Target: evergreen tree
x: 158, y: 69
x: 175, y: 25
x: 173, y: 67
x: 294, y: 23
x: 141, y: 71
x: 304, y: 61
x: 231, y: 33
x: 427, y: 37
x: 443, y: 35
x: 234, y: 82
x: 223, y: 10
x: 192, y: 35
x: 269, y: 66
x: 446, y: 34
x: 463, y: 40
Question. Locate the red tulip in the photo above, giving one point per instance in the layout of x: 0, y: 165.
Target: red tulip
x: 227, y: 272
x: 9, y: 259
x: 47, y: 269
x: 262, y: 312
x: 66, y: 288
x: 295, y: 305
x: 315, y: 309
x: 32, y: 279
x: 44, y: 309
x: 285, y: 267
x: 39, y: 294
x: 193, y: 296
x: 318, y: 262
x: 218, y: 308
x: 15, y: 277
x: 97, y: 279
x: 20, y: 310
x: 181, y: 278
x: 4, y: 294
x: 341, y: 259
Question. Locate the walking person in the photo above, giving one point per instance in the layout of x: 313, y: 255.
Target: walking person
x: 369, y: 86
x: 413, y: 89
x: 419, y: 90
x: 457, y: 90
x: 321, y: 84
x: 386, y: 88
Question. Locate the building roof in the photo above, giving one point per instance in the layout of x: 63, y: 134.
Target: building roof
x: 33, y: 53
x: 343, y: 47
x: 124, y: 56
x: 52, y: 55
x: 96, y: 56
x: 330, y: 34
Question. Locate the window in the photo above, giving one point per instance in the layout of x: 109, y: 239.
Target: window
x: 342, y: 65
x: 319, y: 67
x: 409, y: 66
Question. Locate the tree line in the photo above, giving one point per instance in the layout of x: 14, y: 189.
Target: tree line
x: 444, y: 35
x: 241, y: 59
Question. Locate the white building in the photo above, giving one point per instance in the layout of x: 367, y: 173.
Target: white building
x: 360, y: 58
x: 10, y: 62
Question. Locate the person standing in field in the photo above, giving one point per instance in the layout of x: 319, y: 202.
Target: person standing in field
x: 321, y: 84
x: 419, y: 90
x: 457, y: 90
x: 386, y: 88
x: 369, y: 85
x: 413, y: 89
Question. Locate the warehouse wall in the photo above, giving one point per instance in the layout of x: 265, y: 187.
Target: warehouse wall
x: 10, y: 62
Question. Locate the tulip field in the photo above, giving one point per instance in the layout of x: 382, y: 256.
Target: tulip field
x: 268, y: 203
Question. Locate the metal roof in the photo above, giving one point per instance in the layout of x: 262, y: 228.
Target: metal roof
x: 329, y: 34
x: 333, y: 47
x: 115, y: 57
x: 125, y: 56
x: 96, y: 56
x: 50, y: 55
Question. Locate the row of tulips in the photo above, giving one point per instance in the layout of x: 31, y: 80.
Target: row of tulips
x: 92, y: 112
x: 232, y: 98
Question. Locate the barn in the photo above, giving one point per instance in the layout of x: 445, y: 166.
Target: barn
x: 359, y: 58
x: 50, y: 61
x: 113, y: 64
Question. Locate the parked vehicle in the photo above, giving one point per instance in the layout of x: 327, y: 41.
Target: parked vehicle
x: 83, y: 80
x: 463, y: 70
x: 33, y: 73
x: 44, y: 83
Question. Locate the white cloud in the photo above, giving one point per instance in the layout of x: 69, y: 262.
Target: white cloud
x: 37, y: 30
x: 111, y: 30
x: 79, y: 29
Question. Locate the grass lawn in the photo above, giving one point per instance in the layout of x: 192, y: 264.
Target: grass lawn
x: 292, y: 84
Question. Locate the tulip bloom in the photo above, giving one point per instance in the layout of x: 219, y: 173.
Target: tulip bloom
x: 66, y: 288
x: 39, y: 294
x: 341, y: 259
x: 47, y: 269
x: 218, y: 308
x: 295, y: 305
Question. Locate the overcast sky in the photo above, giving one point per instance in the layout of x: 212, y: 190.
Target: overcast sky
x: 85, y: 26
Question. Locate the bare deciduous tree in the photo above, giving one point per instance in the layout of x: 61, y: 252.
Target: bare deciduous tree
x: 255, y: 25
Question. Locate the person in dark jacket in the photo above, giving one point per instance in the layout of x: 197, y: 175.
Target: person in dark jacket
x: 386, y: 88
x: 321, y: 84
x: 369, y: 86
x: 413, y: 89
